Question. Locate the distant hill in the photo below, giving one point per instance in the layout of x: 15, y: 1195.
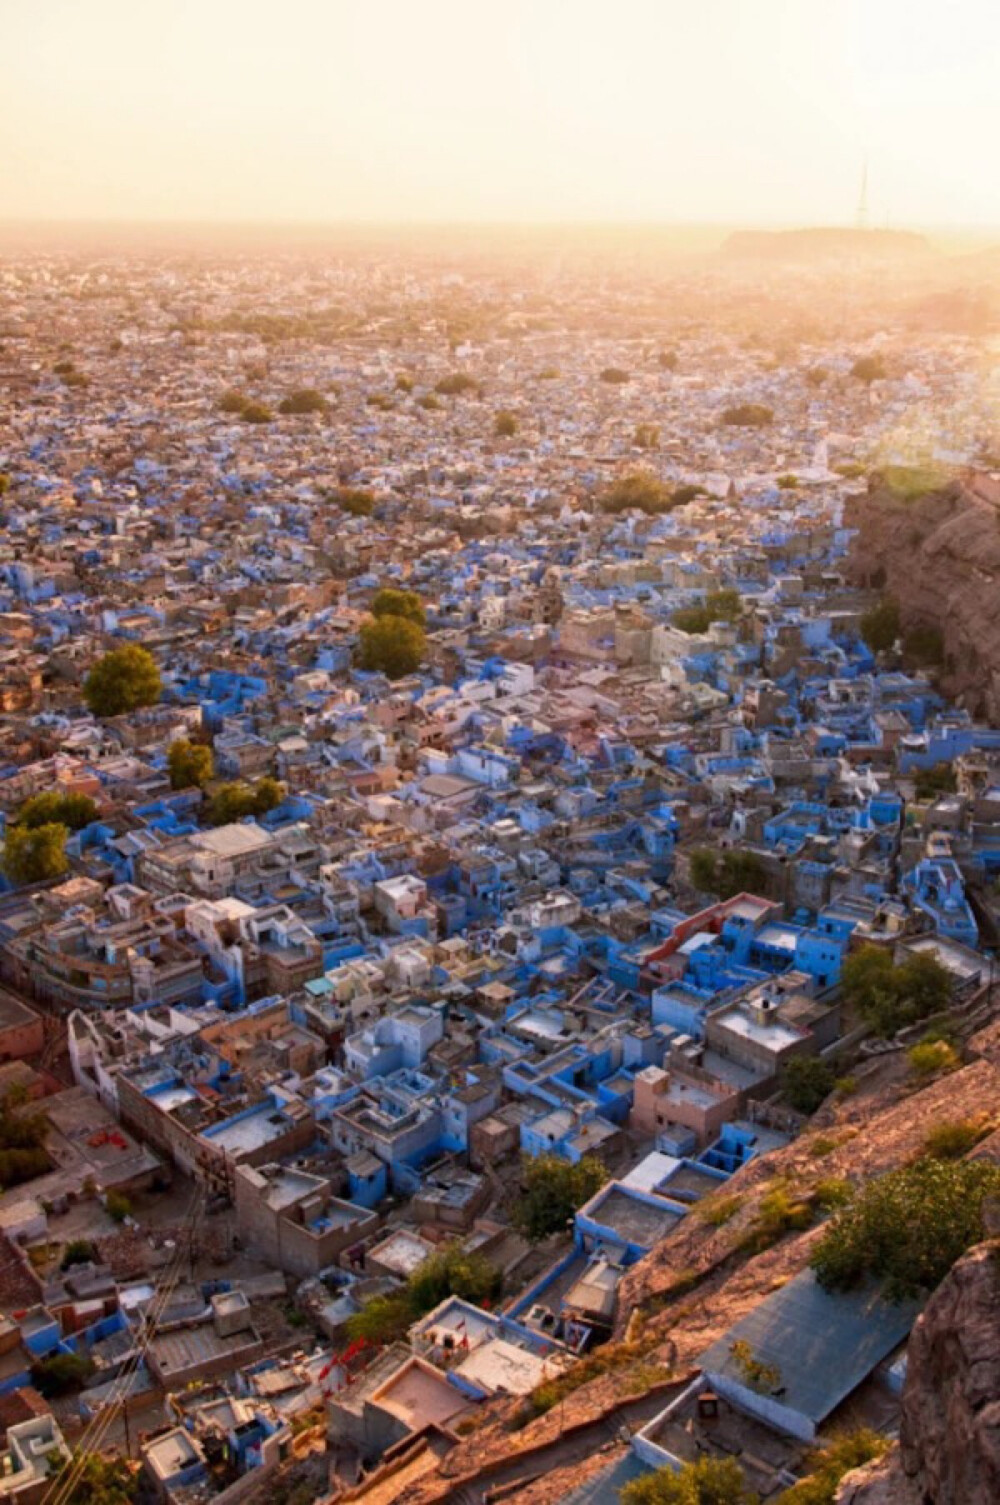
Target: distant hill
x: 822, y: 244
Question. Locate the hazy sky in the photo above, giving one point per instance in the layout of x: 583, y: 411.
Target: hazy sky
x: 651, y: 110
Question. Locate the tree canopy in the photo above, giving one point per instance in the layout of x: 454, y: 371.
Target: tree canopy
x: 908, y: 1227
x: 304, y: 400
x: 889, y: 996
x: 191, y: 764
x: 868, y: 368
x: 74, y: 811
x: 880, y: 625
x: 647, y: 435
x: 123, y: 680
x: 748, y: 415
x: 350, y: 499
x: 455, y: 385
x: 505, y: 425
x: 806, y: 1082
x: 726, y: 874
x: 392, y: 645
x: 32, y: 854
x: 236, y: 801
x: 639, y: 491
x: 96, y: 1481
x: 390, y: 602
x: 718, y: 606
x: 707, y: 1481
x: 551, y: 1191
x: 451, y: 1271
x: 614, y: 376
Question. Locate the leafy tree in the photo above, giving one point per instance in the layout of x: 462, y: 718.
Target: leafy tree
x: 22, y: 1143
x: 728, y: 873
x: 123, y: 680
x: 868, y: 368
x: 908, y: 1227
x: 118, y: 1205
x: 647, y: 435
x: 880, y: 625
x: 552, y: 1189
x: 34, y: 854
x: 924, y: 644
x: 256, y: 412
x: 718, y: 606
x: 236, y: 801
x: 392, y: 645
x: 748, y: 415
x: 614, y: 376
x: 304, y: 400
x: 384, y: 1319
x: 390, y: 602
x: 828, y: 1466
x: 190, y: 763
x: 806, y: 1082
x: 455, y: 385
x: 928, y: 783
x: 887, y: 996
x: 74, y: 811
x: 505, y: 425
x: 96, y: 1481
x: 61, y: 1374
x: 708, y: 1481
x: 451, y: 1271
x: 639, y: 491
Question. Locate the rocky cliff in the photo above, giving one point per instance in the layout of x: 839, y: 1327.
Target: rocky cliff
x: 949, y: 1448
x: 939, y: 555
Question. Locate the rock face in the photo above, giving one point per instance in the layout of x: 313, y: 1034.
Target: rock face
x: 949, y: 1448
x: 939, y: 555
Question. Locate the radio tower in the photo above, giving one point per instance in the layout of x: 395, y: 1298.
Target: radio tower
x: 862, y: 217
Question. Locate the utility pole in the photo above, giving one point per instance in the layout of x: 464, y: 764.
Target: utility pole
x: 862, y: 216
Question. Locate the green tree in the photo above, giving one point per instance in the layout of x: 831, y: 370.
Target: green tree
x: 806, y: 1082
x: 118, y: 1205
x: 390, y: 602
x: 190, y: 763
x: 304, y: 400
x: 383, y: 1319
x: 887, y: 996
x: 74, y: 811
x: 79, y: 1251
x: 829, y: 1465
x: 61, y: 1374
x: 928, y: 783
x: 880, y: 625
x: 552, y: 1189
x: 256, y: 412
x: 718, y: 606
x: 747, y: 415
x: 726, y: 874
x: 639, y: 491
x: 34, y: 854
x: 123, y: 680
x: 236, y: 801
x: 96, y: 1480
x: 505, y: 425
x: 708, y: 1481
x: 22, y: 1142
x: 908, y: 1227
x: 924, y: 645
x: 451, y: 1271
x: 393, y: 646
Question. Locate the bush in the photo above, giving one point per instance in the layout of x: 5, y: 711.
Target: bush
x: 35, y: 854
x: 708, y: 1481
x: 829, y: 1466
x: 429, y: 401
x: 779, y: 1213
x: 686, y: 493
x: 668, y: 359
x: 304, y: 400
x: 505, y: 425
x: 908, y: 1227
x: 233, y: 401
x: 404, y: 383
x: 952, y: 1140
x: 74, y: 811
x: 888, y: 997
x: 123, y: 680
x: 868, y: 368
x: 831, y: 1193
x: 190, y: 763
x: 928, y: 783
x: 79, y: 1251
x: 391, y: 645
x: 717, y: 1210
x: 931, y: 1057
x: 748, y: 415
x: 118, y: 1205
x: 256, y: 412
x: 788, y: 482
x: 350, y: 499
x: 806, y: 1082
x: 452, y: 1271
x: 924, y: 645
x: 908, y: 483
x: 455, y: 385
x: 61, y: 1374
x: 614, y: 376
x: 880, y: 625
x: 90, y: 1479
x: 552, y: 1189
